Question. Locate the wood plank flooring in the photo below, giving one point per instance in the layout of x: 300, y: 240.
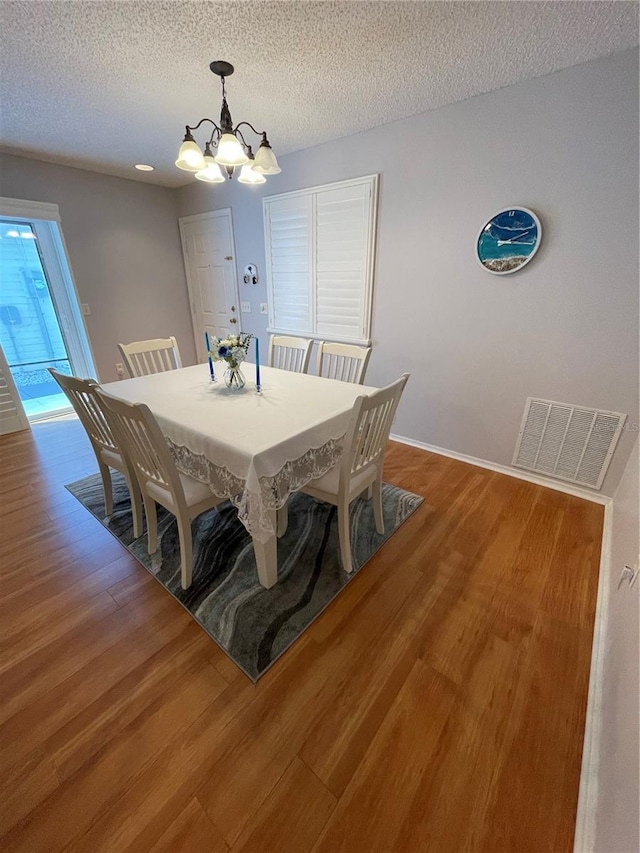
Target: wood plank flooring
x: 437, y: 705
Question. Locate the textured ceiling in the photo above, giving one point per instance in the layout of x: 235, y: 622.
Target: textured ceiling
x: 104, y: 85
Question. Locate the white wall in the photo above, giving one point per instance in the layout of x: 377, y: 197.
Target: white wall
x: 124, y: 247
x: 564, y: 328
x: 617, y: 817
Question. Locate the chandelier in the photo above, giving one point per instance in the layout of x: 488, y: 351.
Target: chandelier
x: 227, y: 146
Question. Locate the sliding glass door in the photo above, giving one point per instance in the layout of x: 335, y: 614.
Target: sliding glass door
x: 40, y: 320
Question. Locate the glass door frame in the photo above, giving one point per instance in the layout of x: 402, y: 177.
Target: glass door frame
x: 44, y: 219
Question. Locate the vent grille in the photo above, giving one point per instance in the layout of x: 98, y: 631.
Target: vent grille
x: 568, y: 442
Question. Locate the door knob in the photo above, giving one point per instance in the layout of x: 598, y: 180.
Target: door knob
x: 233, y: 320
x: 233, y: 307
x: 228, y: 257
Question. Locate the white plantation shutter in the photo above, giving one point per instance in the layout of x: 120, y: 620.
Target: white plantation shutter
x: 342, y: 233
x: 319, y: 247
x: 289, y: 262
x: 12, y: 414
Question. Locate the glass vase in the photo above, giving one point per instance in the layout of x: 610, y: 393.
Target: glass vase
x: 233, y: 378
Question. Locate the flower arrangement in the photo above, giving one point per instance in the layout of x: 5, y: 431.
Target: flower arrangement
x: 232, y: 349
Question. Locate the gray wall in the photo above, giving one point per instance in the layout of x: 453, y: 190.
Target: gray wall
x: 564, y: 328
x: 124, y: 246
x: 617, y: 818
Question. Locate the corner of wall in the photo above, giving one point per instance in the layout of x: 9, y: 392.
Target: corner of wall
x: 609, y: 788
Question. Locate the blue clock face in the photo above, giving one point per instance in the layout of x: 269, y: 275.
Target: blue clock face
x: 509, y: 240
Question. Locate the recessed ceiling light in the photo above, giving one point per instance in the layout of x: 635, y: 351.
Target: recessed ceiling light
x: 144, y: 168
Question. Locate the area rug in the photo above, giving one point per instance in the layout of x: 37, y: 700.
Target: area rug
x: 253, y: 625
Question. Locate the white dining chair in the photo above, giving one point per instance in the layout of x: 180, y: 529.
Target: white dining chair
x: 160, y: 481
x: 289, y: 353
x: 82, y: 395
x: 345, y: 362
x: 361, y: 465
x: 154, y: 356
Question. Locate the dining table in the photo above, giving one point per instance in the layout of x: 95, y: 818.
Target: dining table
x: 253, y: 447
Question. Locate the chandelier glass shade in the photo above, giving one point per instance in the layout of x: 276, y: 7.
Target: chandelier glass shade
x: 265, y: 162
x: 230, y: 151
x: 211, y: 173
x: 248, y: 175
x: 226, y: 146
x: 190, y: 156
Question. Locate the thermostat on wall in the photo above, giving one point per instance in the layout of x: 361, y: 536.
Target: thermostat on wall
x: 250, y: 274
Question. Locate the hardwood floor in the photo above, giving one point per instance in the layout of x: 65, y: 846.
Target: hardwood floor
x: 437, y: 705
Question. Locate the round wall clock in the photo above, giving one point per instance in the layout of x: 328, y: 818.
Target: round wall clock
x: 509, y: 240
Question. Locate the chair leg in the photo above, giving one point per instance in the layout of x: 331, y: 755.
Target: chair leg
x: 377, y: 504
x: 105, y: 473
x: 136, y: 504
x: 136, y: 509
x: 283, y: 520
x: 150, y: 510
x: 343, y: 535
x: 186, y: 550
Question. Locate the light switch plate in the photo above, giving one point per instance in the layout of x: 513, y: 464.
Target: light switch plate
x: 86, y: 310
x: 245, y: 307
x: 264, y: 308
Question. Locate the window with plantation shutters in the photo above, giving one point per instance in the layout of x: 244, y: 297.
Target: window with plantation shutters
x: 319, y: 252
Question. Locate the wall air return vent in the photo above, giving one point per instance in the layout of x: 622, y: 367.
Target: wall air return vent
x: 568, y: 442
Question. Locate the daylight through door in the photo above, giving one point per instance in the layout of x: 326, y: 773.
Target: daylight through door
x: 40, y: 322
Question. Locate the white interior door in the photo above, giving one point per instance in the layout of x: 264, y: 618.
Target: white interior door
x: 209, y: 259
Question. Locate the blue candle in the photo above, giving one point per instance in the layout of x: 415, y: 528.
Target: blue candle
x: 211, y: 370
x: 258, y: 386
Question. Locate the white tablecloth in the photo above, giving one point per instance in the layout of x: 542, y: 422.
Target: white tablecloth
x: 252, y: 448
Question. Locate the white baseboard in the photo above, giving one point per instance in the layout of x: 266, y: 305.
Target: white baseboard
x: 519, y: 474
x: 588, y: 797
x: 585, y: 837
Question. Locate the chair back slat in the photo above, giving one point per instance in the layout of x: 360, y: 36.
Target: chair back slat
x: 154, y: 356
x: 289, y: 353
x: 345, y: 362
x: 369, y: 428
x: 147, y: 459
x: 82, y: 395
x: 140, y: 435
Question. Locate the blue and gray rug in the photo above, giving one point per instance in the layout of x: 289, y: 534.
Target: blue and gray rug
x: 254, y: 626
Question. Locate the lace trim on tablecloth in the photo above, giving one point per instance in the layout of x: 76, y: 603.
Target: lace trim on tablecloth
x: 253, y: 509
x: 219, y: 479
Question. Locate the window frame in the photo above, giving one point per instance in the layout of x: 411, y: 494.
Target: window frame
x: 372, y: 181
